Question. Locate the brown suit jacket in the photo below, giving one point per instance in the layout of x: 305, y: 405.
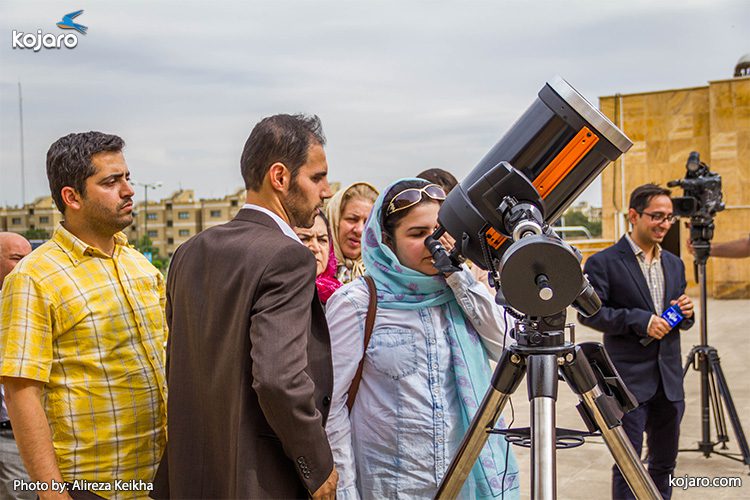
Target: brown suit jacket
x: 249, y: 367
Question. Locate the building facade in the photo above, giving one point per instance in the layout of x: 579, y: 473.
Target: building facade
x: 218, y: 211
x: 168, y: 222
x: 40, y: 216
x: 665, y: 126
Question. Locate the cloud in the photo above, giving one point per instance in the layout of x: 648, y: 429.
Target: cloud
x: 400, y: 86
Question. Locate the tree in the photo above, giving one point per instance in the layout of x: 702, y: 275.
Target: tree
x: 146, y: 247
x: 36, y: 234
x: 576, y: 218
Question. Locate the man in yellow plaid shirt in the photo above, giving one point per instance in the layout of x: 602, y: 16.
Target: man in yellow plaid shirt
x: 82, y: 335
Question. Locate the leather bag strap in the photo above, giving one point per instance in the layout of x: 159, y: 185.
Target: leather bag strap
x: 369, y: 324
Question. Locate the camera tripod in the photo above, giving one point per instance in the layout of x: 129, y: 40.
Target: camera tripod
x: 542, y: 351
x: 705, y: 359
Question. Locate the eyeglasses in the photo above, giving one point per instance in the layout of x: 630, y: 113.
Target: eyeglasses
x: 659, y: 217
x: 411, y: 196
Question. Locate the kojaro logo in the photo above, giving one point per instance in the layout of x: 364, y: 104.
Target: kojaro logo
x: 39, y: 40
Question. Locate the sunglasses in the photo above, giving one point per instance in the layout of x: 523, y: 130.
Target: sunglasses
x: 411, y: 196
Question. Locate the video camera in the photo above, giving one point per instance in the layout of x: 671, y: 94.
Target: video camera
x: 702, y: 200
x: 702, y: 191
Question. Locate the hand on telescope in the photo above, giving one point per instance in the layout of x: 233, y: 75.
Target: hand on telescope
x: 441, y: 249
x: 686, y: 305
x: 658, y: 327
x: 690, y: 247
x: 448, y: 242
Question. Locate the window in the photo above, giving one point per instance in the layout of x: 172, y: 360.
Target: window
x: 234, y: 203
x: 170, y: 241
x: 43, y: 220
x: 152, y: 216
x: 215, y: 213
x: 183, y: 215
x: 184, y: 232
x: 153, y: 234
x: 16, y: 221
x: 170, y: 223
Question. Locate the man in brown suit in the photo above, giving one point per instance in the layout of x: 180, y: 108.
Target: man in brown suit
x: 249, y: 369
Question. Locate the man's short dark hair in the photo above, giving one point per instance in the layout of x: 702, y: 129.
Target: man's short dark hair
x: 69, y: 161
x: 280, y: 138
x: 642, y: 195
x: 441, y: 177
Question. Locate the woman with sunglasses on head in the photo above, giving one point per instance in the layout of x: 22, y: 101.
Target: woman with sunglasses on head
x: 425, y: 368
x: 347, y: 212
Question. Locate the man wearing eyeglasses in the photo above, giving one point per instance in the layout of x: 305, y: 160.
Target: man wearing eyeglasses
x: 637, y: 281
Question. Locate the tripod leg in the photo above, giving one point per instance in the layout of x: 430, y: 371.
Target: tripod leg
x: 705, y: 445
x: 542, y: 382
x: 690, y: 361
x: 718, y: 409
x: 622, y: 450
x: 606, y: 415
x: 508, y: 375
x: 715, y: 365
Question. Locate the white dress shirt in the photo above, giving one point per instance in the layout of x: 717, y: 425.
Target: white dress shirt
x: 285, y: 228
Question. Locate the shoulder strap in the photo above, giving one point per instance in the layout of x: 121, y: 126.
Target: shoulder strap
x: 372, y: 308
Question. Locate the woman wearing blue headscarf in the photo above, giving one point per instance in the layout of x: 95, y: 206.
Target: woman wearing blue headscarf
x: 425, y: 367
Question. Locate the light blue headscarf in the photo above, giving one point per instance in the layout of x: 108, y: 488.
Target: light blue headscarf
x: 400, y: 287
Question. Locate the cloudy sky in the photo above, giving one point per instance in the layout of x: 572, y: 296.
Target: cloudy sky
x: 399, y: 85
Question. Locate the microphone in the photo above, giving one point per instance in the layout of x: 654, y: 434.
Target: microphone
x: 673, y: 316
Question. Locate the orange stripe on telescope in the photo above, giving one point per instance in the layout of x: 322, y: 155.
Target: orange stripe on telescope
x: 565, y: 161
x: 555, y: 172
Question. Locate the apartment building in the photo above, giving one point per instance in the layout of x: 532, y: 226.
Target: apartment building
x: 41, y: 215
x: 220, y: 210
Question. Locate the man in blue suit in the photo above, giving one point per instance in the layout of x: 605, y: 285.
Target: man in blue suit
x: 636, y: 281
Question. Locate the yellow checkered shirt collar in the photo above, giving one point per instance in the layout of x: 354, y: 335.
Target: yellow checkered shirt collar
x: 76, y: 249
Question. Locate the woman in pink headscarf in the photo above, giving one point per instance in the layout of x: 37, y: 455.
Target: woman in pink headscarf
x: 318, y: 240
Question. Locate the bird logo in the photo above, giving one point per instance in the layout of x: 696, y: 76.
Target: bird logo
x: 67, y: 22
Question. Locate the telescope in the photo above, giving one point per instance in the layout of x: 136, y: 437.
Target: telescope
x: 500, y: 216
x: 521, y: 187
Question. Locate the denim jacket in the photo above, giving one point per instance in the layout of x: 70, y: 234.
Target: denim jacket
x: 405, y: 426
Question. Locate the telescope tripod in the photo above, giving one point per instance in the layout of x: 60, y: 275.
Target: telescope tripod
x: 714, y: 386
x: 542, y: 351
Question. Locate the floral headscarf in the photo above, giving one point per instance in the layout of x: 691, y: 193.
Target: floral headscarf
x: 350, y: 269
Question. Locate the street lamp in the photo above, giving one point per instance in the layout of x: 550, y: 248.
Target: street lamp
x: 146, y: 187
